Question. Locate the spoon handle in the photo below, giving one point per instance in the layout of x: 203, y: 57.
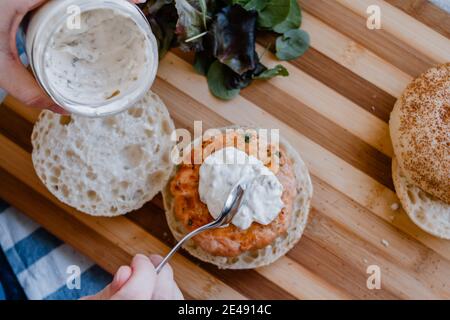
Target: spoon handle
x: 228, y: 212
x: 183, y: 240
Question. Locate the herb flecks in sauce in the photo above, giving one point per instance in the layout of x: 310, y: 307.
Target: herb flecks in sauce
x: 100, y: 61
x: 223, y: 169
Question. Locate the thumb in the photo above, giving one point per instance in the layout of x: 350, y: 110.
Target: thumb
x: 22, y: 85
x: 17, y: 80
x: 141, y: 284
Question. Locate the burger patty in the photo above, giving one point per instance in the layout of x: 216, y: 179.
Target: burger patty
x: 229, y: 241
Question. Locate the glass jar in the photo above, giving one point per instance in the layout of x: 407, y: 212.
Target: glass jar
x: 93, y: 58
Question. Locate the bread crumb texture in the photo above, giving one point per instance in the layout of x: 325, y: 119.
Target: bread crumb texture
x: 105, y: 166
x: 426, y: 211
x: 420, y: 131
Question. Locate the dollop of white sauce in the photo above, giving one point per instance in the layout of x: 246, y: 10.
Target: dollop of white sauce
x: 103, y: 59
x: 227, y: 167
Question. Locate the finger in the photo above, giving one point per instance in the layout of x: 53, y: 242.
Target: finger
x: 12, y: 15
x: 104, y: 294
x: 19, y: 83
x: 165, y: 288
x: 141, y: 284
x: 166, y: 272
x: 156, y: 259
x: 177, y: 294
x: 120, y: 278
x: 23, y: 86
x: 57, y: 109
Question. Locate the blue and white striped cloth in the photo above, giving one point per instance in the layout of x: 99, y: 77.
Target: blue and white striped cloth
x: 39, y: 261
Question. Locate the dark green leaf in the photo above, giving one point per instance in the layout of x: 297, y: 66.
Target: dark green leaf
x: 257, y: 5
x: 162, y: 17
x: 233, y: 38
x: 241, y: 81
x: 217, y: 75
x: 292, y: 21
x: 278, y: 70
x: 190, y: 24
x: 292, y: 44
x: 274, y: 13
x: 153, y: 6
x: 202, y: 63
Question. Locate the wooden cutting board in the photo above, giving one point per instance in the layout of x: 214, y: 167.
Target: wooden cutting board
x: 334, y: 109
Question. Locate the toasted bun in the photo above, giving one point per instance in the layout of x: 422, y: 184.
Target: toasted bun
x: 267, y: 255
x: 105, y: 166
x: 420, y: 132
x: 428, y: 212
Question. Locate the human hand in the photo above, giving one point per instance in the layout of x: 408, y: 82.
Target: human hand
x: 14, y: 77
x: 140, y: 282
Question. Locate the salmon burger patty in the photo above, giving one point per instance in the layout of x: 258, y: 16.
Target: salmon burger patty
x: 230, y: 241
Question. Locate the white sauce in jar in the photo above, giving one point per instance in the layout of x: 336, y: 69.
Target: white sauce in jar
x: 227, y: 167
x: 102, y: 60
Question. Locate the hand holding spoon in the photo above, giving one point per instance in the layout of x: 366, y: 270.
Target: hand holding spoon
x: 229, y: 210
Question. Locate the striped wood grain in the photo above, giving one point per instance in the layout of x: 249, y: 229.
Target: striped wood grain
x: 334, y: 109
x: 427, y: 13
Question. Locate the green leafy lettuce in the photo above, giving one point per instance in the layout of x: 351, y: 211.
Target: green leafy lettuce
x: 292, y: 44
x: 233, y: 44
x: 222, y: 34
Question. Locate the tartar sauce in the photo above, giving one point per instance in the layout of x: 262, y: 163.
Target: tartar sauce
x: 102, y: 59
x: 225, y: 168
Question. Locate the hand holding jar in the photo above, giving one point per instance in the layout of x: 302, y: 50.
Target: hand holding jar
x: 47, y: 23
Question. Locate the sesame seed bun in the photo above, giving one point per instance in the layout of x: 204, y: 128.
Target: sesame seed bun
x: 420, y: 131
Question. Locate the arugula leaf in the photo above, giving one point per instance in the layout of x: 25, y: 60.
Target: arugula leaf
x: 217, y: 75
x: 278, y: 70
x: 292, y: 44
x: 233, y: 32
x: 275, y: 12
x: 292, y: 21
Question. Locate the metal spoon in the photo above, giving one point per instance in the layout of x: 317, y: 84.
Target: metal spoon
x: 229, y: 210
